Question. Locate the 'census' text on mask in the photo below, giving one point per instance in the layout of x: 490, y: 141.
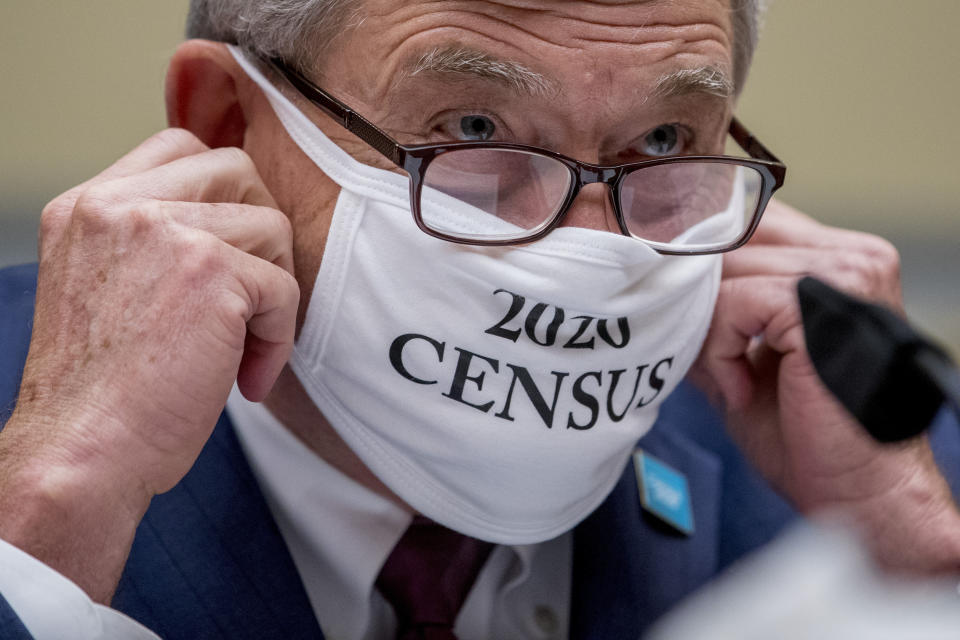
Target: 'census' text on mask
x: 461, y: 376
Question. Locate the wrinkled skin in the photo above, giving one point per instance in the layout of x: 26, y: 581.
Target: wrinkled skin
x: 170, y: 275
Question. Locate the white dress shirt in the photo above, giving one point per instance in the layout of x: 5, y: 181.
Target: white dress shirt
x: 339, y: 534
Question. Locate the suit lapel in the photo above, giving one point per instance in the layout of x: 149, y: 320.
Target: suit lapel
x: 208, y: 560
x: 628, y: 566
x: 17, y: 286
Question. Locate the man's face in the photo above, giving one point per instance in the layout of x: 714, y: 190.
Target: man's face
x: 602, y: 82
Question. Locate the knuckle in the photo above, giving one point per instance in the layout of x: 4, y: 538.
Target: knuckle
x: 244, y: 177
x: 195, y: 242
x: 847, y: 262
x: 873, y: 263
x: 196, y: 252
x: 291, y: 285
x: 144, y: 217
x: 96, y: 208
x: 54, y: 217
x: 235, y: 156
x: 232, y: 310
x: 284, y: 229
x: 180, y: 141
x: 884, y: 255
x: 851, y: 269
x: 886, y: 265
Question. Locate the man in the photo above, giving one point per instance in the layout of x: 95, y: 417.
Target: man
x: 472, y: 363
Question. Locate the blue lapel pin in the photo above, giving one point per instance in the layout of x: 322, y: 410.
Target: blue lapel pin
x: 664, y: 491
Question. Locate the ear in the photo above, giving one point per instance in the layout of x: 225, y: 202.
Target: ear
x: 202, y: 94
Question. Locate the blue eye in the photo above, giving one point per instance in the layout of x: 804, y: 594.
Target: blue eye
x: 662, y: 141
x: 477, y: 127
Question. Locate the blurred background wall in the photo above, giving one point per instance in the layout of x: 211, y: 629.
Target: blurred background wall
x: 859, y: 97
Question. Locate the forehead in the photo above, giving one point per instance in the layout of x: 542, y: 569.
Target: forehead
x: 594, y: 44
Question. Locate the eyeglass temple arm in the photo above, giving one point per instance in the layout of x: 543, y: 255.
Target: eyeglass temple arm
x: 750, y: 144
x: 350, y: 119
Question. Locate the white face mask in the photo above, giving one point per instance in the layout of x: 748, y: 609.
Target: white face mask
x: 498, y: 391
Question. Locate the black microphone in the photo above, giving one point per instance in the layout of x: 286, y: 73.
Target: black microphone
x: 892, y: 379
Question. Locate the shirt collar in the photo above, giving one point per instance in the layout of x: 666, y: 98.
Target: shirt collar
x: 338, y: 531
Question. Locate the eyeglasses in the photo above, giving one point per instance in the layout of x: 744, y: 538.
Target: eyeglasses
x: 494, y: 194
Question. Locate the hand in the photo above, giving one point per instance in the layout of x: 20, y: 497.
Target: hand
x: 754, y: 363
x: 162, y: 281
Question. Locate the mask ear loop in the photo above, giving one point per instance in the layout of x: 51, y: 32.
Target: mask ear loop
x: 336, y: 163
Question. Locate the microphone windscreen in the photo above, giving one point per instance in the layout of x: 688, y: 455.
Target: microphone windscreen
x: 866, y: 355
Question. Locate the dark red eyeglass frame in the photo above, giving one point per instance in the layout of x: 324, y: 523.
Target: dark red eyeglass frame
x: 414, y: 159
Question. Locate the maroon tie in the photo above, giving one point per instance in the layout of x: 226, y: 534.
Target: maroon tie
x: 427, y: 577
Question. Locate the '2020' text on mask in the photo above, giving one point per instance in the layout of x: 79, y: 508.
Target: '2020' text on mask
x: 498, y: 391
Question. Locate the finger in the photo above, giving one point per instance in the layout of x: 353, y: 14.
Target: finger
x: 755, y: 260
x: 868, y: 267
x: 786, y: 231
x: 273, y: 296
x: 260, y: 231
x: 748, y: 308
x: 160, y: 148
x: 783, y: 225
x: 852, y: 259
x: 218, y: 175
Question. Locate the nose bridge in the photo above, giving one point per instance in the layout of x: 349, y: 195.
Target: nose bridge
x: 593, y: 206
x: 592, y: 173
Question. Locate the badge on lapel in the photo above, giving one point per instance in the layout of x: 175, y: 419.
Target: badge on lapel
x: 664, y: 491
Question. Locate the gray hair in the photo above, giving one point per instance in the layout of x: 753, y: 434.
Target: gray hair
x: 747, y: 19
x: 295, y: 30
x: 299, y: 30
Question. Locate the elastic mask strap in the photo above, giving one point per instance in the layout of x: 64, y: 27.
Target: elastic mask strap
x: 334, y: 161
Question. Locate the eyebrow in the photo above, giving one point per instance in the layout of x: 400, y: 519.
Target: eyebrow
x: 710, y: 80
x: 462, y: 61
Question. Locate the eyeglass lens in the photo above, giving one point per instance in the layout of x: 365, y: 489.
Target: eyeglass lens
x: 501, y: 194
x: 689, y: 205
